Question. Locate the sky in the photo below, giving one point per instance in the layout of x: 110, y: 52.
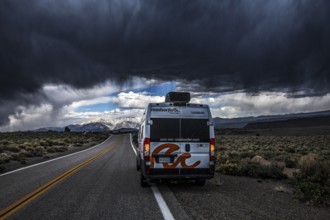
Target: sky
x: 72, y: 61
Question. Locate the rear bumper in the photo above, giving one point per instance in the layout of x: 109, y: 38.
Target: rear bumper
x: 181, y: 173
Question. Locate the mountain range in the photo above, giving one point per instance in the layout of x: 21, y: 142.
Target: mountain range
x: 296, y: 119
x: 98, y: 125
x: 264, y: 120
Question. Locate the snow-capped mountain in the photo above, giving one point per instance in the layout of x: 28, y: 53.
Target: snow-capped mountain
x: 89, y: 127
x: 126, y: 124
x: 117, y: 123
x: 107, y: 123
x: 99, y: 125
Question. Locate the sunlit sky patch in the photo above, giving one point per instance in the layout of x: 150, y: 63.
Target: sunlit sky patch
x: 153, y: 90
x: 65, y: 105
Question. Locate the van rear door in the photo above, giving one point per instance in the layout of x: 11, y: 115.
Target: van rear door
x: 195, y: 136
x: 165, y: 144
x: 177, y: 144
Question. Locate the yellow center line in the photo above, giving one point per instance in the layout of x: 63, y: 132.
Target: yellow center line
x: 11, y: 209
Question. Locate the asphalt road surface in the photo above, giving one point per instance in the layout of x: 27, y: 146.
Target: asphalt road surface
x: 99, y: 183
x: 102, y: 183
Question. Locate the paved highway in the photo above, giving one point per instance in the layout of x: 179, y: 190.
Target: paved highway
x: 99, y: 183
x: 102, y: 183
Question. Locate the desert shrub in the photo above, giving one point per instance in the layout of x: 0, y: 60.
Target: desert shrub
x: 315, y: 193
x: 289, y: 161
x: 50, y: 150
x: 14, y: 156
x: 4, y: 142
x: 22, y: 146
x: 10, y: 148
x: 234, y: 155
x: 29, y: 152
x: 78, y: 141
x: 61, y: 149
x: 312, y: 182
x: 39, y: 151
x: 229, y: 168
x: 247, y: 154
x: 58, y: 142
x: 4, y: 158
x: 22, y: 155
x: 222, y: 148
x: 259, y: 171
x: 290, y: 150
x: 49, y: 143
x: 268, y: 155
x: 43, y: 143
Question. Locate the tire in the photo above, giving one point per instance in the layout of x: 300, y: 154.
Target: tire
x: 137, y: 164
x: 144, y: 181
x: 200, y: 182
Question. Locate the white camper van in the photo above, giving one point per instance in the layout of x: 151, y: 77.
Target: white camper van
x: 176, y: 141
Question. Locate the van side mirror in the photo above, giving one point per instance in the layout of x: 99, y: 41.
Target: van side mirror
x: 209, y: 123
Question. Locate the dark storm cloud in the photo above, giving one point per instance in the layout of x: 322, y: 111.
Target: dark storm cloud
x: 224, y: 45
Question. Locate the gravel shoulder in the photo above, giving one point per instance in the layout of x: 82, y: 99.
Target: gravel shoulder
x: 233, y: 197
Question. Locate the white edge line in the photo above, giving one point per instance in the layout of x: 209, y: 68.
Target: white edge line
x: 162, y: 204
x: 166, y: 212
x: 58, y: 158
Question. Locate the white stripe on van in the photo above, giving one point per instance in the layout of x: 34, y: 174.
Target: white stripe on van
x: 166, y: 212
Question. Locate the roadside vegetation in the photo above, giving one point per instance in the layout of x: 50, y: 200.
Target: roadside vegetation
x: 303, y: 160
x: 22, y: 146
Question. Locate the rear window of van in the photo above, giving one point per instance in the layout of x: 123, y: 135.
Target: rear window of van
x: 195, y: 129
x: 168, y: 129
x: 164, y: 128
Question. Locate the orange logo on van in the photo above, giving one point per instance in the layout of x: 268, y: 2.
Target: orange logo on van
x: 180, y: 160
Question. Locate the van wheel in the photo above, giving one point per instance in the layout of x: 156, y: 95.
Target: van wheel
x: 200, y: 182
x: 138, y: 164
x: 144, y: 181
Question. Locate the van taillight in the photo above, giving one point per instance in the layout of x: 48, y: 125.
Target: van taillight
x: 212, y: 149
x: 146, y: 149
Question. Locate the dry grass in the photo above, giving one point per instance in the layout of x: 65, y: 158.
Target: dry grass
x: 309, y: 155
x: 19, y: 146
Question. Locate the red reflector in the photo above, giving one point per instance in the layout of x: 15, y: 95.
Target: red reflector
x: 146, y: 152
x: 146, y: 144
x: 212, y: 149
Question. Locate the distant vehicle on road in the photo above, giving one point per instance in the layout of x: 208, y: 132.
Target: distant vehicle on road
x: 176, y: 141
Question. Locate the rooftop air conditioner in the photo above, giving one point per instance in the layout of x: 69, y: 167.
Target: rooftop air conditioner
x: 177, y: 97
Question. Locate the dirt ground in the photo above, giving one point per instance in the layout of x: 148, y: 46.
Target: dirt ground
x: 233, y: 197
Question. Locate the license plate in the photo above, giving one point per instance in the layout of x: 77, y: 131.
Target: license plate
x: 164, y: 160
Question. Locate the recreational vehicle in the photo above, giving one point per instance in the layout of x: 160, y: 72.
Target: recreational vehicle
x: 176, y: 141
